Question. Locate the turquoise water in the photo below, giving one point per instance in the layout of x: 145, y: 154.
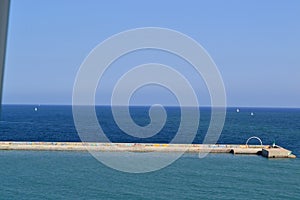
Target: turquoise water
x: 77, y: 175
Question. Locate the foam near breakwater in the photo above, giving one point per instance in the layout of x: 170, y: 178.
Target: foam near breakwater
x: 264, y: 150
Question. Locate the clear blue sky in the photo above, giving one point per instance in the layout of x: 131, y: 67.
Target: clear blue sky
x: 255, y: 44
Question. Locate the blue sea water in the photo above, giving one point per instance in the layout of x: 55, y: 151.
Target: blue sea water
x: 77, y: 175
x: 55, y: 123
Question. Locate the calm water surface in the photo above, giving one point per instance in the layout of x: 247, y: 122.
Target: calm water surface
x: 77, y: 175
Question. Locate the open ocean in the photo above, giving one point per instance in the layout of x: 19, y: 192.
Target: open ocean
x: 77, y: 175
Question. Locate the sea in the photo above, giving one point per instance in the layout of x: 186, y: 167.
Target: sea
x: 78, y: 175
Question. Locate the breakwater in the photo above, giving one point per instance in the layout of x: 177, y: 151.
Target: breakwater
x: 264, y: 150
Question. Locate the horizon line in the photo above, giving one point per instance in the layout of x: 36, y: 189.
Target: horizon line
x: 148, y: 105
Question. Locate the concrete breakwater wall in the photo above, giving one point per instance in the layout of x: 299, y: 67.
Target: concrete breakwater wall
x: 264, y: 150
x: 135, y: 147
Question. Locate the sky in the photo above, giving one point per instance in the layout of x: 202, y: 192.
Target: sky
x: 255, y: 45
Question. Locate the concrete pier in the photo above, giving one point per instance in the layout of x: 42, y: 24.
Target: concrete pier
x: 277, y: 152
x: 264, y: 150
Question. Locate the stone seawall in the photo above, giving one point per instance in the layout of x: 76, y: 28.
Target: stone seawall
x: 146, y: 147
